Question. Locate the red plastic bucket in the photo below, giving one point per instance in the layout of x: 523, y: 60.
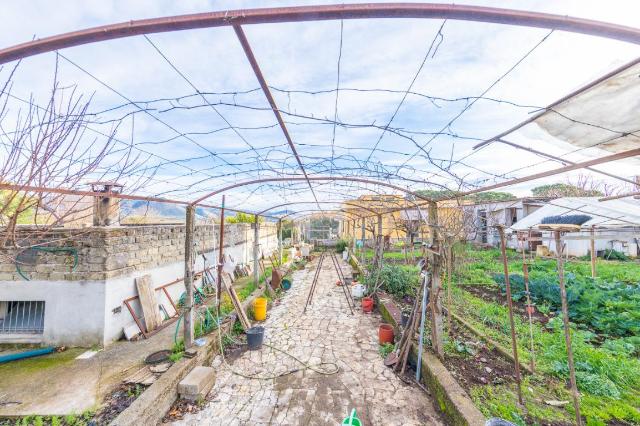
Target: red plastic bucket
x: 385, y: 334
x: 367, y: 304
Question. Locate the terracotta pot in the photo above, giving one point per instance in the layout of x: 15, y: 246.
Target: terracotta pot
x: 385, y: 334
x: 367, y: 304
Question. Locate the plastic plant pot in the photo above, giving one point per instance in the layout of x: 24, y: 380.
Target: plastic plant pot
x: 385, y: 334
x: 367, y: 304
x: 286, y: 284
x: 255, y: 335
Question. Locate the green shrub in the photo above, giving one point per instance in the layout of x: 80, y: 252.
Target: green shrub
x: 397, y: 280
x: 341, y: 245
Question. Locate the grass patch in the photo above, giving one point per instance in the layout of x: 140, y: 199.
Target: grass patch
x: 39, y: 363
x: 609, y: 381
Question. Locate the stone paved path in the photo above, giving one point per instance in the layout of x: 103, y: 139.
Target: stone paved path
x: 326, y: 333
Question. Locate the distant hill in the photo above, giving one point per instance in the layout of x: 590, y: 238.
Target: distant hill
x: 161, y: 210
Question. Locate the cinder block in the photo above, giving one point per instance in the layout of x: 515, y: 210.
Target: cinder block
x: 197, y: 384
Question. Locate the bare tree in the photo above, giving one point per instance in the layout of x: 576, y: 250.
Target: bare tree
x: 48, y: 146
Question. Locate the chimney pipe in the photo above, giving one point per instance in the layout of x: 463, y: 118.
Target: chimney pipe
x: 106, y: 210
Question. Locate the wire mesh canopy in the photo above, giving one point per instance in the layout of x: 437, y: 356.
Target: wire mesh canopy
x: 181, y: 115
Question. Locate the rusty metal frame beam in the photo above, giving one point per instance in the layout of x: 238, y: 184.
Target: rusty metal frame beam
x: 562, y: 160
x: 66, y: 191
x: 321, y: 13
x: 619, y: 196
x: 246, y: 47
x: 314, y: 178
x: 311, y: 212
x: 316, y: 202
x: 574, y: 166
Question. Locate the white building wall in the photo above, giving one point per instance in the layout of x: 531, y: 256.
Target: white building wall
x: 90, y: 312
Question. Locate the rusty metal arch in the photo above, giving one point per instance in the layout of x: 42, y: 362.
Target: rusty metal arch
x: 311, y: 212
x: 347, y: 203
x: 321, y: 13
x: 310, y: 178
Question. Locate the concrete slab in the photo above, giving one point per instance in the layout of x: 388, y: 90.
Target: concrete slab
x: 197, y: 384
x: 60, y: 384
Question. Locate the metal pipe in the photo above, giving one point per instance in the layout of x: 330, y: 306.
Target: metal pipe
x: 347, y: 203
x: 562, y: 160
x: 320, y: 13
x: 592, y: 246
x: 319, y: 178
x: 244, y: 42
x: 616, y: 197
x: 66, y: 191
x: 575, y: 166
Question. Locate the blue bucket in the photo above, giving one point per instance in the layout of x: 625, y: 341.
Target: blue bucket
x: 286, y: 284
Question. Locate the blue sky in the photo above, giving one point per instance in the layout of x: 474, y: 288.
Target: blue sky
x: 375, y: 54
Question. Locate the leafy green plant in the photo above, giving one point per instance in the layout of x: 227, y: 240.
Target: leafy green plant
x: 341, y: 245
x: 609, y: 308
x: 611, y: 254
x: 386, y: 349
x: 398, y: 280
x: 463, y: 348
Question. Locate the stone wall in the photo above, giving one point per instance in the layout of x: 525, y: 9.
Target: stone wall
x: 108, y: 252
x: 86, y: 306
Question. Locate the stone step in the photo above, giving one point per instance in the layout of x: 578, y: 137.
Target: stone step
x: 197, y: 384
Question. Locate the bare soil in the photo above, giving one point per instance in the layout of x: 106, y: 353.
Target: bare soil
x: 117, y: 401
x: 493, y: 294
x: 485, y: 366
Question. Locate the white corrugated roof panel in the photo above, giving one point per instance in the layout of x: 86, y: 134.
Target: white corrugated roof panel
x: 612, y: 213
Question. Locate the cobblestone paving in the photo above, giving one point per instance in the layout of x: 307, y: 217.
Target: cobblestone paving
x: 327, y: 333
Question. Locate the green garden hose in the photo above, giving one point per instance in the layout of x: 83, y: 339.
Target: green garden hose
x: 71, y: 250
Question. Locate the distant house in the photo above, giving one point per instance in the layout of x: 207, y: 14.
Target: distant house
x: 402, y: 218
x: 615, y: 223
x: 485, y: 216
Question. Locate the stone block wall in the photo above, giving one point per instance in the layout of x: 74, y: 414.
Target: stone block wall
x: 108, y: 252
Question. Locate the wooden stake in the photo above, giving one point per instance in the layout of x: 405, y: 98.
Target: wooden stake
x: 188, y: 275
x: 220, y: 258
x: 435, y: 262
x: 449, y: 281
x: 363, y: 252
x: 280, y: 241
x: 379, y: 245
x: 525, y: 274
x: 567, y: 329
x: 514, y: 343
x: 256, y: 247
x: 593, y: 253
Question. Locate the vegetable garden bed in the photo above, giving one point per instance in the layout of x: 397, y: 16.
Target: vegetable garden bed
x: 605, y: 315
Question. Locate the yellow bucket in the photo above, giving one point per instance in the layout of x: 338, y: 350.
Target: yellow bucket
x: 260, y: 309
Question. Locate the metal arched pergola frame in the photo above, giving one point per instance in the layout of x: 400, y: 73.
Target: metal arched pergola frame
x: 307, y: 179
x: 240, y: 17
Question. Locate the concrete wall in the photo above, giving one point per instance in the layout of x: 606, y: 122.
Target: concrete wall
x: 85, y: 306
